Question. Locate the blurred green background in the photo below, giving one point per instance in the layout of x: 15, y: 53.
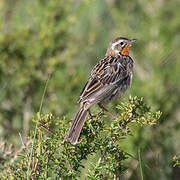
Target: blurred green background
x: 64, y: 39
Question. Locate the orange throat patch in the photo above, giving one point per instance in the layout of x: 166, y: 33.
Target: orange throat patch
x: 125, y: 51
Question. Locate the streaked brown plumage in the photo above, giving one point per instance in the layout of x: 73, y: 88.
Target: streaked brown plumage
x: 109, y: 79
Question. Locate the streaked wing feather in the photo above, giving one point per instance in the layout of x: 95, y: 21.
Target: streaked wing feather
x: 103, y: 78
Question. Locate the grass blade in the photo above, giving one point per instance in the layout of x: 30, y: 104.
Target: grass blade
x: 35, y: 131
x: 140, y: 164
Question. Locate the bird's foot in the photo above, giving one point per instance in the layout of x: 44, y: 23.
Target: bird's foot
x: 93, y: 116
x: 114, y: 116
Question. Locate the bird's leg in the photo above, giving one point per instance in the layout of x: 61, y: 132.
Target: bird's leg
x: 92, y: 116
x: 108, y: 112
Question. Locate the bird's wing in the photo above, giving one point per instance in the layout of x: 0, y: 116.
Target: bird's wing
x: 105, y: 76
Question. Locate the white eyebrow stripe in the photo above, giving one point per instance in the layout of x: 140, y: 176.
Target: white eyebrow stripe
x: 114, y: 44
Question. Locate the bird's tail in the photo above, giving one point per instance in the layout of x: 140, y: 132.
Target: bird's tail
x: 74, y: 131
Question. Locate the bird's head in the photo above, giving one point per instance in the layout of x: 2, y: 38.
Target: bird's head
x: 120, y: 45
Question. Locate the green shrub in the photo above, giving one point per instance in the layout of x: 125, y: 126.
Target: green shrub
x: 99, y: 141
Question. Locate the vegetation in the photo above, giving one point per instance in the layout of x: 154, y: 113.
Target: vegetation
x: 61, y: 41
x: 55, y: 159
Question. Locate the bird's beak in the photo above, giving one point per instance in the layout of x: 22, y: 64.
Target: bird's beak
x: 131, y: 41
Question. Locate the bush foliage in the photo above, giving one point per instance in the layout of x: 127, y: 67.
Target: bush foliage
x: 52, y: 158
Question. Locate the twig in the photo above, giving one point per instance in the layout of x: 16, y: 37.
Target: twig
x: 24, y: 146
x: 101, y: 157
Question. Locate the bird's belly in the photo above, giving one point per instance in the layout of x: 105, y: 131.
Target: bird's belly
x: 120, y: 90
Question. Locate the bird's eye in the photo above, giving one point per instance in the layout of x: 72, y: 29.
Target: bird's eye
x: 121, y: 43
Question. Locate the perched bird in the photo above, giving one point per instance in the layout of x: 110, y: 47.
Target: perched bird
x: 109, y: 79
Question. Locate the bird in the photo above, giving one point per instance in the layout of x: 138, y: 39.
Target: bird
x: 108, y: 80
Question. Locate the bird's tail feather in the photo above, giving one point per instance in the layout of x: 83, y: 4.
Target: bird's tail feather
x: 74, y: 131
